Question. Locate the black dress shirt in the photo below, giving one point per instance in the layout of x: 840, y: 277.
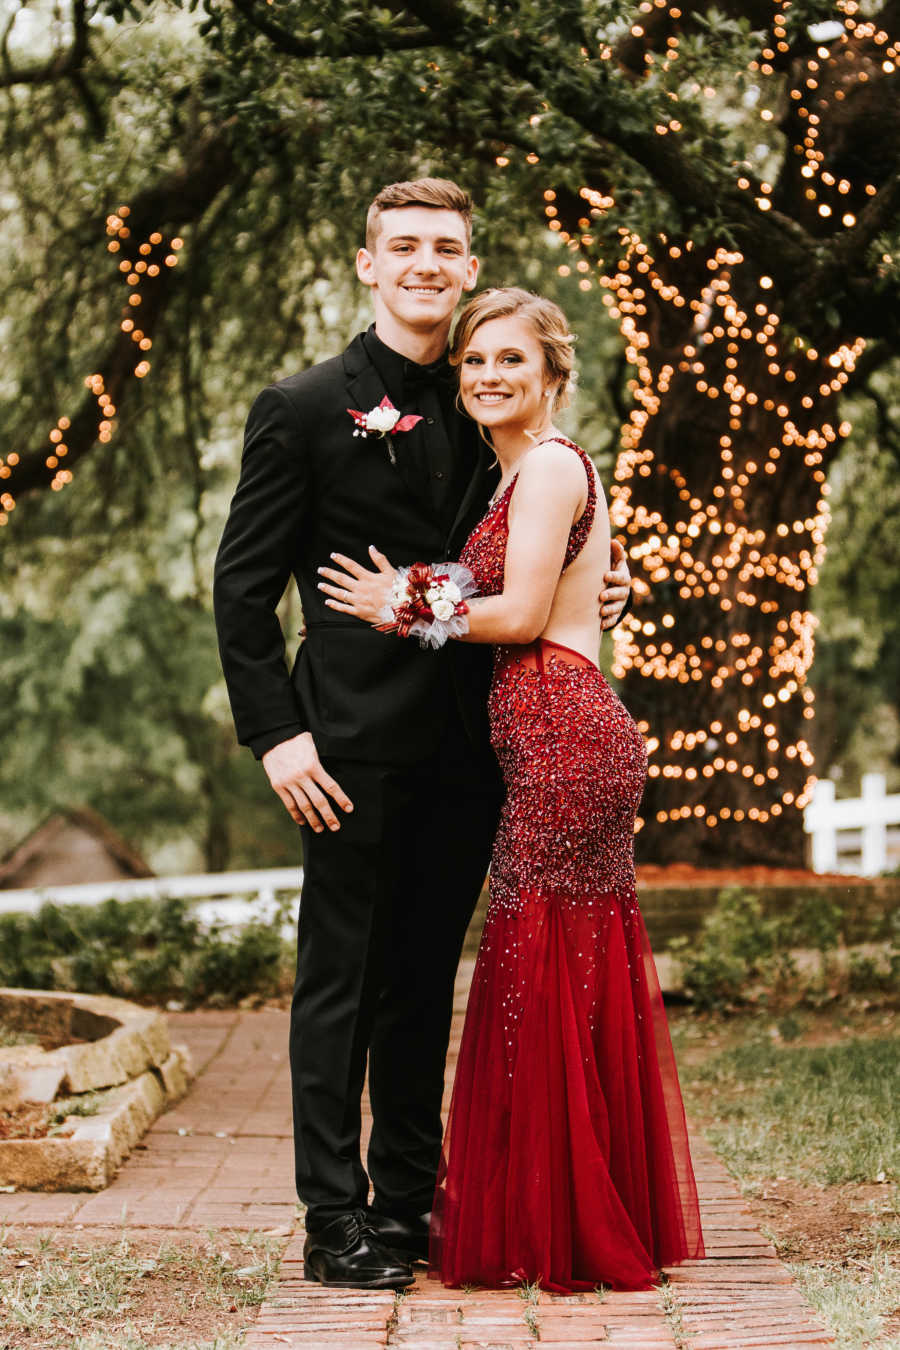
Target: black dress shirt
x: 430, y: 457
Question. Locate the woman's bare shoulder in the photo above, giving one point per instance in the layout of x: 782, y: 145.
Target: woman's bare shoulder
x: 551, y: 458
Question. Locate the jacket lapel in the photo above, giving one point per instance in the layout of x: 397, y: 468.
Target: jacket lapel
x: 365, y: 390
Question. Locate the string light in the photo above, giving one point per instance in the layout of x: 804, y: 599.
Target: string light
x: 685, y: 543
x: 705, y: 552
x: 135, y: 270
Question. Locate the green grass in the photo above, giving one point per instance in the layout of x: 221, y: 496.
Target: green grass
x: 825, y: 1114
x: 673, y: 1313
x: 85, y: 1104
x: 819, y: 1114
x: 855, y: 1301
x: 129, y: 1339
x: 130, y: 1294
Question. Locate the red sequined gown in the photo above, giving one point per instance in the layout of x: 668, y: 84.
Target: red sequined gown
x: 566, y: 1158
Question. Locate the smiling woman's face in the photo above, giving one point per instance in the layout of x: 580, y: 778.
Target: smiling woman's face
x: 502, y: 376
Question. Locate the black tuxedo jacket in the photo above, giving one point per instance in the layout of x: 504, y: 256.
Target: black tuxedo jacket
x: 308, y: 487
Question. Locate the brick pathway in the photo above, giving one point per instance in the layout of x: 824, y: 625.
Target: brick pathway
x: 223, y: 1159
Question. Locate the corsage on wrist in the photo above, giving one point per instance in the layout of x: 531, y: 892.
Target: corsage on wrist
x: 428, y: 601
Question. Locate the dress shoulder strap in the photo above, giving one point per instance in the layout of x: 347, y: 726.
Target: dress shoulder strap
x: 582, y: 526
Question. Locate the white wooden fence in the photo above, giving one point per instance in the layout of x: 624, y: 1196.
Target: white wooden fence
x: 224, y: 897
x: 854, y: 834
x: 858, y: 835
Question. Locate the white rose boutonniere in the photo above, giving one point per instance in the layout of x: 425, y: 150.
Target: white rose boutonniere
x: 380, y: 420
x: 383, y: 421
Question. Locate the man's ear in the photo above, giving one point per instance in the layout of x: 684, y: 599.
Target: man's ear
x: 471, y: 273
x: 365, y: 267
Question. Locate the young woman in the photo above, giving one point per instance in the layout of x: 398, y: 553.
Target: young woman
x: 566, y: 1158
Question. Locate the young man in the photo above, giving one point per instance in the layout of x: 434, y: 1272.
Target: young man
x: 378, y: 749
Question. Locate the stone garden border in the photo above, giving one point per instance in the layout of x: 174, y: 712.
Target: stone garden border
x: 125, y: 1048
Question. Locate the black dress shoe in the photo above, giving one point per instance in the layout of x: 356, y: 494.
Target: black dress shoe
x: 406, y: 1239
x: 348, y: 1254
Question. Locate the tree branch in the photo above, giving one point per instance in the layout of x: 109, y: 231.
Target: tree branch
x: 657, y: 26
x: 804, y: 268
x: 874, y: 357
x: 177, y: 199
x: 881, y: 212
x: 62, y: 63
x: 699, y: 189
x: 96, y: 118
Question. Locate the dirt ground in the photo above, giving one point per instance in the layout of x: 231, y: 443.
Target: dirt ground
x: 169, y: 1289
x: 822, y: 1223
x: 28, y: 1121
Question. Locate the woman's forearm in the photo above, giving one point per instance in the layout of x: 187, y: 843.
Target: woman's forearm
x: 502, y: 619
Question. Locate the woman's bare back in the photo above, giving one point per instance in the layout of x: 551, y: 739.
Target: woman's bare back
x: 574, y: 619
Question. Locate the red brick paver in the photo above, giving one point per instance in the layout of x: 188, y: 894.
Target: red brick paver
x: 223, y: 1159
x: 740, y: 1298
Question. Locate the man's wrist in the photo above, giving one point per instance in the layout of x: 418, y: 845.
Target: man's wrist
x: 266, y: 740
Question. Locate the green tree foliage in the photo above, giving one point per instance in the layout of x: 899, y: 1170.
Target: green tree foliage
x: 256, y: 133
x: 857, y: 668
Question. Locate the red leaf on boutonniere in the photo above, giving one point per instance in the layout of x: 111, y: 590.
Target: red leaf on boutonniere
x: 383, y: 420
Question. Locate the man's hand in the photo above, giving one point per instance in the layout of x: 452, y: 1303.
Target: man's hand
x: 301, y: 782
x: 618, y: 586
x: 356, y: 591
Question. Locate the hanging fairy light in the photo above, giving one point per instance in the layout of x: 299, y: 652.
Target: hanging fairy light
x: 703, y: 545
x: 145, y: 262
x: 705, y: 554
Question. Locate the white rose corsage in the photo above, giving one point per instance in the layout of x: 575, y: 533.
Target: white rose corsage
x: 428, y: 601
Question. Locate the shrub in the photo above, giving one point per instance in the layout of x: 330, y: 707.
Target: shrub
x: 151, y: 950
x: 231, y: 969
x: 878, y: 967
x: 24, y: 963
x: 743, y: 954
x: 735, y: 943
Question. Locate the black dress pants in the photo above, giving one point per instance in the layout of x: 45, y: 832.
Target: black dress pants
x: 385, y: 905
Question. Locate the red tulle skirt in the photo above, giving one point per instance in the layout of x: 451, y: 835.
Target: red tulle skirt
x: 566, y: 1157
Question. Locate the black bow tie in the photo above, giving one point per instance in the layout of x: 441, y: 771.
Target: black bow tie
x: 417, y: 377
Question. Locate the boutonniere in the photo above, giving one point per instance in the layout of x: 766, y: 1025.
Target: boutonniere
x: 384, y: 420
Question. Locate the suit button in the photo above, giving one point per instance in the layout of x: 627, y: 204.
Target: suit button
x: 429, y: 421
x: 439, y: 473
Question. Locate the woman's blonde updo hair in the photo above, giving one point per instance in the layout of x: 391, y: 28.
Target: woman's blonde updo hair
x: 547, y: 320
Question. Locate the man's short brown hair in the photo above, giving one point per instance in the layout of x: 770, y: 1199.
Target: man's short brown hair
x: 440, y: 193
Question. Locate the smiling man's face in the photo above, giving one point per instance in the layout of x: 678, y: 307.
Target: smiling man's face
x: 418, y: 268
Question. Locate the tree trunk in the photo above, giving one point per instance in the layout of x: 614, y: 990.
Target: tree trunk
x: 720, y: 497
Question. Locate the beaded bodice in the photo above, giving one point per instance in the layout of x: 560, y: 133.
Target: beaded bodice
x: 484, y: 552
